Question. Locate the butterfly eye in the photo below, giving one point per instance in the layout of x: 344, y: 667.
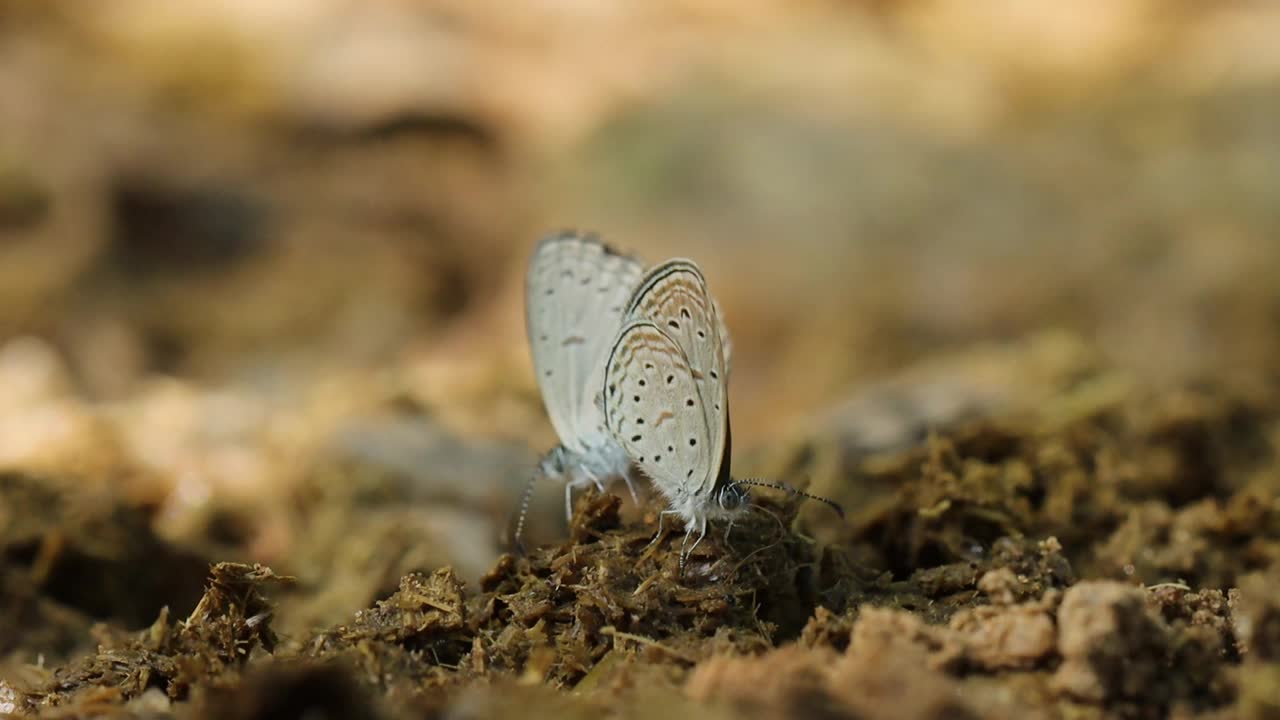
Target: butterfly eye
x: 732, y: 497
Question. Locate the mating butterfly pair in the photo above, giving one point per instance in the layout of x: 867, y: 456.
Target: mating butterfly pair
x: 633, y: 367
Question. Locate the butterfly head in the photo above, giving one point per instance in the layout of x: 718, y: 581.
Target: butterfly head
x: 732, y: 497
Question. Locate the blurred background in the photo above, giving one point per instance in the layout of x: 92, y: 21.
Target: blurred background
x: 261, y: 263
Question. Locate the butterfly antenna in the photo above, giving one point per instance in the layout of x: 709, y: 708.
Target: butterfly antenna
x: 525, y: 498
x: 759, y: 482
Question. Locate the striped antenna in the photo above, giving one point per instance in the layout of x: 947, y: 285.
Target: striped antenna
x: 761, y: 482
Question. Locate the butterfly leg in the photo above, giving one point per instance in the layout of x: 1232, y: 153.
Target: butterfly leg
x: 589, y: 477
x: 658, y: 536
x: 702, y: 532
x: 568, y: 502
x: 594, y: 480
x: 626, y: 478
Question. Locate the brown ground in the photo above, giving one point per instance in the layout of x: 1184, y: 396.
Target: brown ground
x: 1006, y: 285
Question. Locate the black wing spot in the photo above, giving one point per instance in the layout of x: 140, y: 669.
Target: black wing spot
x: 689, y: 402
x: 671, y: 379
x: 639, y: 421
x: 689, y: 473
x: 714, y: 376
x: 671, y: 448
x: 641, y: 382
x: 673, y: 324
x: 693, y: 441
x: 684, y: 313
x: 635, y: 398
x: 547, y: 373
x: 648, y: 366
x: 640, y: 459
x: 717, y: 407
x: 613, y: 389
x: 657, y: 458
x: 635, y: 438
x: 702, y: 334
x: 550, y: 291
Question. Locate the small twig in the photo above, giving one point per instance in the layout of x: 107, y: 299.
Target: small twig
x: 646, y: 584
x: 642, y: 640
x: 447, y: 609
x: 752, y: 554
x: 446, y: 666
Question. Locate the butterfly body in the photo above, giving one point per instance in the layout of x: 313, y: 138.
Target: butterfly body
x: 597, y: 460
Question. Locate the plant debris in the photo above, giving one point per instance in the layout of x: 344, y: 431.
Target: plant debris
x: 985, y: 615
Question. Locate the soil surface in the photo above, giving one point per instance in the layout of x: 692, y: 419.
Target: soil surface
x: 1117, y: 563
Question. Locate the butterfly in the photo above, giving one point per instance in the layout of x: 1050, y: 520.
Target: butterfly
x: 666, y: 401
x: 575, y: 296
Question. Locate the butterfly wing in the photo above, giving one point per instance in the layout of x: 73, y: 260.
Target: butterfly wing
x: 575, y: 294
x: 673, y: 297
x: 726, y: 343
x: 676, y: 292
x: 654, y: 409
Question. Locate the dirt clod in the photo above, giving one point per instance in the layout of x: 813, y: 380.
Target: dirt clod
x: 1111, y: 647
x: 207, y: 650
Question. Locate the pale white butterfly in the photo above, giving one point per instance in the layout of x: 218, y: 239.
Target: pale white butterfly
x: 666, y: 398
x: 575, y: 294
